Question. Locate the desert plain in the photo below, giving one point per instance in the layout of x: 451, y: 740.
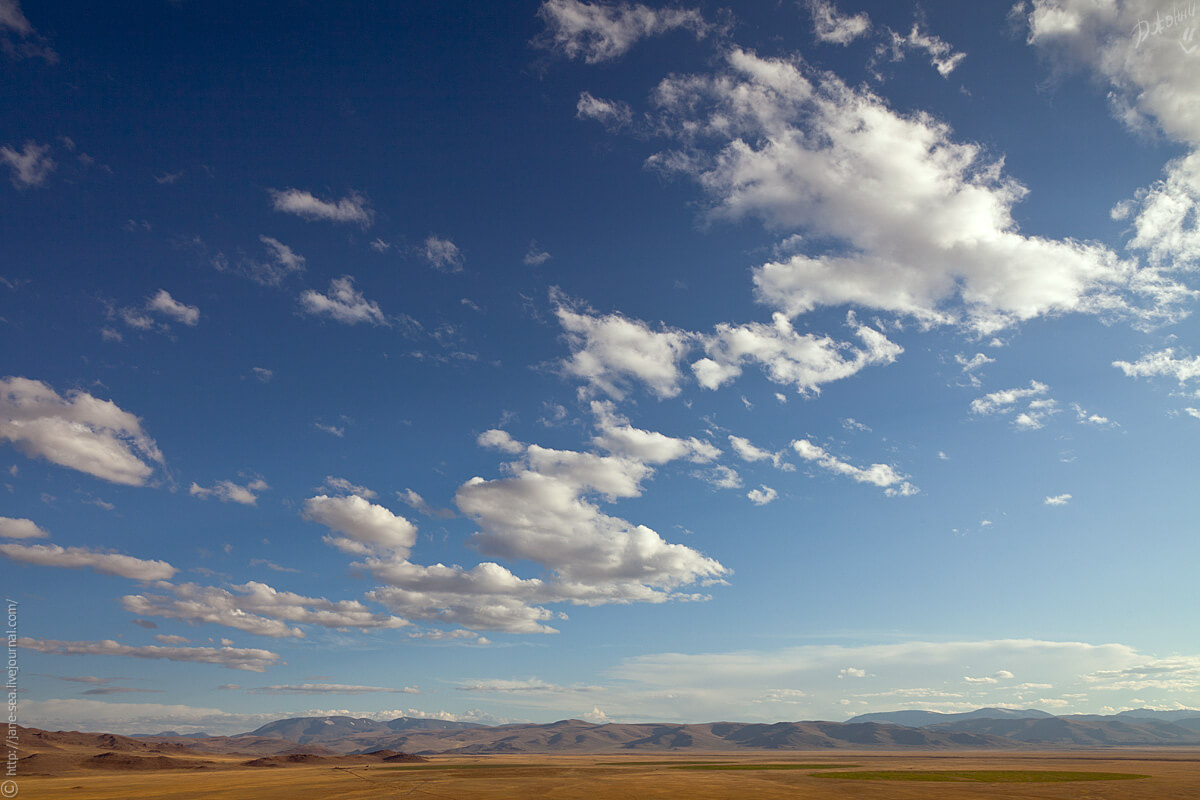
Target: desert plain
x: 1127, y: 774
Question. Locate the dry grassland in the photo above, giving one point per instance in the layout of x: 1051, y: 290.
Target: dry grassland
x: 1170, y: 775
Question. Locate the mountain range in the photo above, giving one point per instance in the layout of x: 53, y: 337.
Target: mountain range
x: 911, y: 729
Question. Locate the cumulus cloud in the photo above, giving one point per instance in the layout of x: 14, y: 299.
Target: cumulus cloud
x: 1057, y: 500
x: 610, y: 113
x: 942, y: 55
x: 258, y: 608
x: 620, y: 438
x: 543, y: 513
x: 78, y: 431
x: 443, y: 254
x: 1151, y: 77
x: 805, y: 361
x: 487, y: 596
x: 331, y: 688
x: 163, y: 303
x: 546, y: 511
x: 343, y: 303
x: 1163, y: 363
x: 18, y: 39
x: 922, y: 224
x: 30, y: 166
x: 51, y: 555
x: 351, y: 208
x: 20, y: 528
x: 762, y: 495
x: 970, y: 366
x: 534, y: 257
x: 601, y: 31
x: 365, y: 527
x: 502, y: 686
x: 748, y: 451
x: 1037, y: 406
x: 608, y: 351
x: 832, y: 26
x: 251, y: 659
x: 418, y: 504
x: 894, y: 483
x: 230, y: 492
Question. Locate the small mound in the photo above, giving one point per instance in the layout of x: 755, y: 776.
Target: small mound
x: 376, y: 757
x: 123, y: 761
x: 47, y: 764
x: 980, y: 776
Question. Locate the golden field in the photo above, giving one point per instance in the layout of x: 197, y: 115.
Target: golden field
x: 1170, y: 775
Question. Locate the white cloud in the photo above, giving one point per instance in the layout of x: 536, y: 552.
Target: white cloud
x: 20, y: 528
x: 366, y: 527
x: 258, y: 608
x: 833, y: 27
x: 600, y: 31
x: 534, y: 257
x: 942, y: 55
x: 251, y: 659
x: 894, y: 483
x: 284, y: 261
x: 78, y: 431
x: 502, y: 686
x: 418, y: 504
x: 351, y: 208
x: 805, y: 361
x: 263, y: 374
x: 1167, y: 226
x: 608, y: 351
x: 343, y: 486
x: 620, y: 438
x: 19, y: 40
x: 487, y: 596
x: 31, y: 166
x: 51, y: 555
x: 13, y: 19
x: 852, y: 672
x: 721, y: 477
x: 762, y: 495
x: 922, y: 224
x: 343, y: 303
x: 1085, y: 417
x: 610, y: 113
x: 1163, y: 363
x: 748, y: 451
x: 1150, y: 70
x: 230, y: 492
x: 1057, y: 500
x: 1038, y: 407
x: 168, y: 306
x: 971, y: 365
x: 443, y: 254
x: 165, y: 638
x: 542, y: 513
x: 331, y: 688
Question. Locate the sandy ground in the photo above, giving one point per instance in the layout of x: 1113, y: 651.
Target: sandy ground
x: 1174, y: 775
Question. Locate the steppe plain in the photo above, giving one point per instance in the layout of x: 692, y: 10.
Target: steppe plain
x: 1166, y: 774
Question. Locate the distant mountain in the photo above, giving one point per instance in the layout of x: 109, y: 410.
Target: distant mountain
x: 169, y: 735
x: 1064, y: 731
x: 914, y: 718
x: 306, y: 730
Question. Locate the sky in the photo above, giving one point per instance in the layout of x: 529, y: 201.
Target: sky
x: 528, y: 361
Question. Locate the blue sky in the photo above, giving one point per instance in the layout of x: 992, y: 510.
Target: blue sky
x: 522, y: 361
